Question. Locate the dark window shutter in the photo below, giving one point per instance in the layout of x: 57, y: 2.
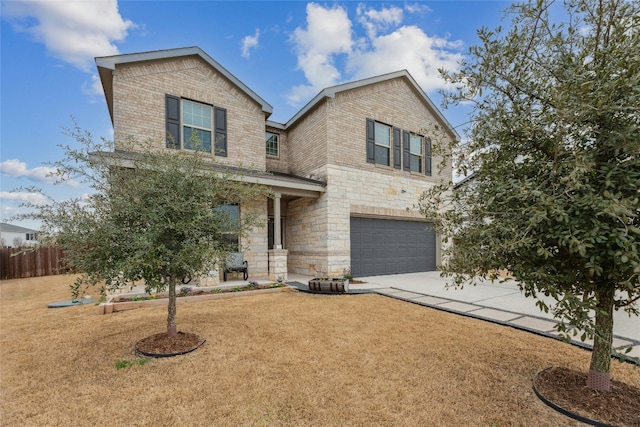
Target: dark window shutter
x: 406, y: 153
x: 371, y: 141
x: 220, y: 121
x: 172, y: 107
x: 427, y: 157
x: 397, y: 148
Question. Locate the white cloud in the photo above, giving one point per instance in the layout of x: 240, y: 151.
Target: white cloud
x: 328, y: 34
x: 22, y: 197
x: 417, y: 8
x: 386, y: 46
x: 250, y: 42
x: 74, y: 31
x: 18, y: 169
x: 375, y: 21
x: 409, y: 48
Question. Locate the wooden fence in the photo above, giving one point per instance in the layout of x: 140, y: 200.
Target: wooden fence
x: 16, y: 263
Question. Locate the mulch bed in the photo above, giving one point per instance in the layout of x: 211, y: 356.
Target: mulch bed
x: 567, y: 389
x: 196, y: 292
x: 161, y: 345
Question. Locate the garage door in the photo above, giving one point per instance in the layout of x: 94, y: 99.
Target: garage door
x: 381, y: 246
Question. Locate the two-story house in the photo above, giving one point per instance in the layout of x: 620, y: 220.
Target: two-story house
x: 344, y: 170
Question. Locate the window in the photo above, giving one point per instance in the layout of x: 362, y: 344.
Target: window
x: 415, y: 153
x: 408, y: 151
x: 382, y: 135
x: 378, y: 143
x: 273, y: 144
x: 196, y: 125
x: 190, y: 123
x: 231, y: 215
x: 31, y: 236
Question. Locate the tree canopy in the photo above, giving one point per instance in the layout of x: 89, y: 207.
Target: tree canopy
x: 155, y: 216
x: 554, y: 148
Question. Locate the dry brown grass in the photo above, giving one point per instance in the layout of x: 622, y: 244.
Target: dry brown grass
x: 276, y: 359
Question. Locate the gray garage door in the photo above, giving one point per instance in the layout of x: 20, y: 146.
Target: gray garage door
x: 381, y: 246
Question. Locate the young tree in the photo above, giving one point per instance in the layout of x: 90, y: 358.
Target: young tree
x: 555, y: 151
x: 156, y: 216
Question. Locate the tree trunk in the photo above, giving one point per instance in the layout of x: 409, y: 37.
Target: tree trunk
x: 599, y: 376
x: 172, y: 329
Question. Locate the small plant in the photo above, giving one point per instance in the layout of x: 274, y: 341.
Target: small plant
x: 280, y: 279
x: 185, y: 291
x: 252, y: 284
x: 346, y: 273
x: 236, y: 289
x: 122, y: 364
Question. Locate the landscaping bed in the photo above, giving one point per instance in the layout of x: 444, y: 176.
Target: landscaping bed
x: 131, y: 302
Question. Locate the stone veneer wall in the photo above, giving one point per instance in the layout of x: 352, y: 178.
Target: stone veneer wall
x: 319, y: 231
x: 139, y: 105
x: 329, y: 143
x: 254, y: 245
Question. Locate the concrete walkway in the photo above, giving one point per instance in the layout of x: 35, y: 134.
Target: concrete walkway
x: 501, y: 303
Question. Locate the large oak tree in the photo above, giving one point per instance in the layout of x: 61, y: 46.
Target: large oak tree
x: 554, y: 147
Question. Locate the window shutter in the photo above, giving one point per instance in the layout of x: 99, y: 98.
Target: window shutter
x: 220, y: 132
x: 406, y: 152
x: 371, y: 142
x: 172, y: 107
x: 427, y: 157
x: 397, y: 150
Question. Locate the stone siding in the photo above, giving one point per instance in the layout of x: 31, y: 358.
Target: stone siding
x: 319, y: 231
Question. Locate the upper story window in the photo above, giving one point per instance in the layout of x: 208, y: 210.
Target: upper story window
x: 415, y: 153
x: 189, y: 122
x: 388, y: 145
x: 382, y: 135
x: 273, y: 144
x: 378, y: 143
x: 197, y: 119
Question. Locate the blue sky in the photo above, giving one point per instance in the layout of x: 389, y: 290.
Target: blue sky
x: 286, y: 51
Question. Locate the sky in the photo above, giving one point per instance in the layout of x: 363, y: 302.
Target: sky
x: 285, y: 51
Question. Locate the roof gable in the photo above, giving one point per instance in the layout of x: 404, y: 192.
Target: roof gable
x: 331, y: 92
x: 107, y: 64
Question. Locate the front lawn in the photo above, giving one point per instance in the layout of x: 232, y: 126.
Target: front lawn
x: 283, y: 359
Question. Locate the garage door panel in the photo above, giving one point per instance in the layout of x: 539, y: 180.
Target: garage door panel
x: 381, y: 246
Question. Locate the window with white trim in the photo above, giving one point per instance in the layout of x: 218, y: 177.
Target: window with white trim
x: 272, y: 144
x: 382, y: 138
x: 197, y: 120
x: 415, y: 153
x: 191, y: 124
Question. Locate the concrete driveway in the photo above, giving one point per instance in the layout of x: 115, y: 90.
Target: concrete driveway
x: 501, y: 302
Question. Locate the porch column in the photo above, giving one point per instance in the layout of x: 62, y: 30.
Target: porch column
x: 277, y: 256
x: 277, y: 240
